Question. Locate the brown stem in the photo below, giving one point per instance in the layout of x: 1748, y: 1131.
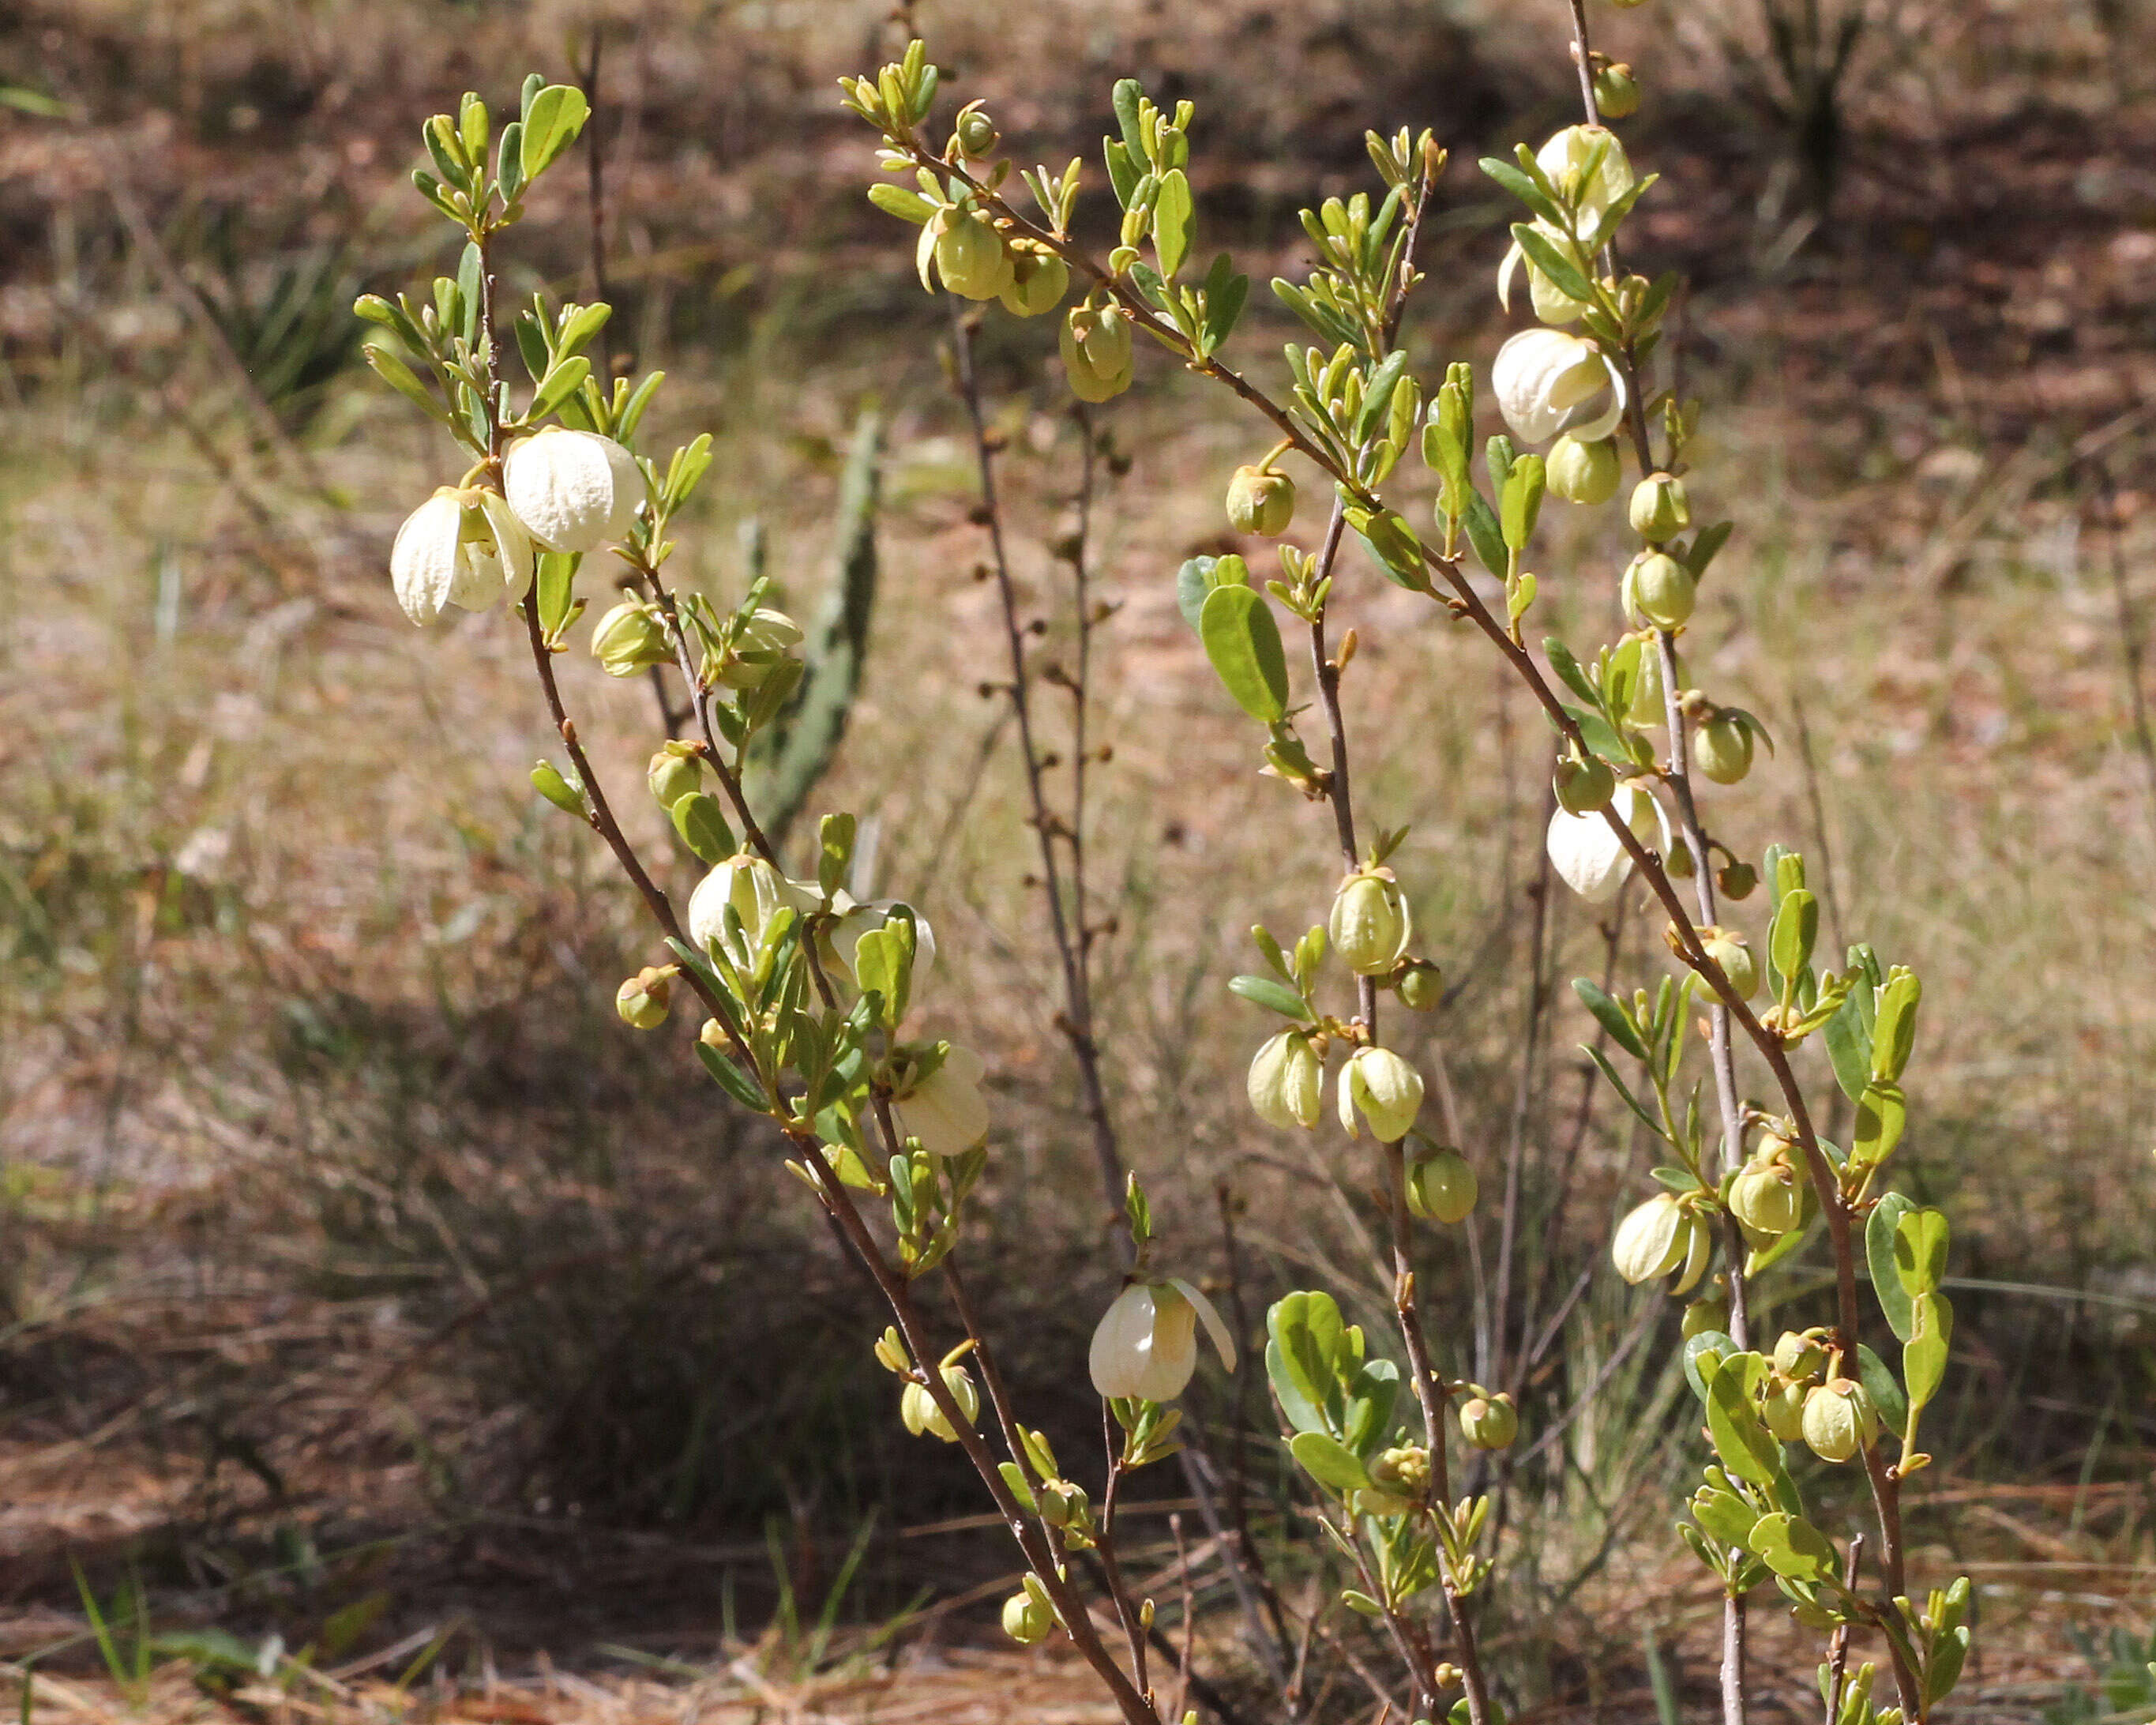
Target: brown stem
x: 1111, y: 1560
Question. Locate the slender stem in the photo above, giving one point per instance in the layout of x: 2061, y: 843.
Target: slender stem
x: 1071, y: 946
x: 1118, y: 1589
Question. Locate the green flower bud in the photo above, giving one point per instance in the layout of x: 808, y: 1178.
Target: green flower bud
x: 1385, y: 1088
x: 1764, y: 1196
x: 1721, y: 748
x: 1405, y: 1468
x: 758, y: 648
x: 1800, y: 1358
x: 1651, y: 1240
x: 1369, y: 924
x: 975, y: 133
x: 1840, y: 1420
x: 1286, y: 1081
x: 1660, y: 511
x: 1488, y: 1422
x: 1615, y: 93
x: 1420, y: 985
x: 1659, y: 590
x: 1783, y: 1409
x: 1647, y: 707
x: 1026, y: 1620
x: 1096, y: 352
x: 1583, y: 472
x: 677, y: 770
x: 1063, y: 1504
x: 970, y: 256
x: 1704, y: 1316
x: 645, y: 998
x: 546, y: 779
x: 1039, y: 279
x: 1260, y: 501
x: 1442, y: 1187
x: 630, y: 637
x: 1737, y: 879
x: 1583, y: 783
x: 1733, y: 953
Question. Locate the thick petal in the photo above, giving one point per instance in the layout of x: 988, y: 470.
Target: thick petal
x: 1223, y: 1343
x: 573, y: 490
x: 423, y: 561
x: 1589, y: 858
x: 512, y: 544
x: 1122, y: 1344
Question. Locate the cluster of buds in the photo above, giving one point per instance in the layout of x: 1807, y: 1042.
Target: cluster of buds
x: 1805, y: 1396
x: 1399, y: 1482
x: 916, y: 1405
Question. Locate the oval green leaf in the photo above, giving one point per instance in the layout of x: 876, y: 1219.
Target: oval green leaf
x: 1244, y: 643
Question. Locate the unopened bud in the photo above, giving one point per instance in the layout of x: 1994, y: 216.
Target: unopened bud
x: 1096, y: 352
x: 1840, y: 1420
x: 645, y: 998
x: 1737, y: 879
x: 970, y: 256
x: 1489, y: 1422
x: 1615, y: 92
x: 1764, y: 1196
x: 630, y: 637
x: 1026, y: 1620
x: 1585, y: 473
x: 1260, y: 501
x: 1799, y: 1356
x: 1707, y: 1314
x: 1369, y: 924
x: 1583, y: 783
x: 1733, y: 953
x: 1659, y: 590
x: 1721, y: 748
x: 1660, y: 511
x: 1783, y: 1409
x: 676, y: 771
x: 975, y: 133
x: 1442, y: 1187
x: 1420, y: 985
x: 1039, y: 279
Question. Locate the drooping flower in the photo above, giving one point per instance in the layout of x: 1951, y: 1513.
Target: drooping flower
x: 1286, y: 1080
x: 1096, y: 352
x: 1650, y: 1241
x: 573, y: 490
x: 1565, y: 159
x: 1369, y: 924
x: 944, y: 1109
x: 752, y: 888
x: 459, y: 547
x: 1146, y: 1344
x: 1549, y: 381
x: 1587, y: 854
x: 1385, y: 1089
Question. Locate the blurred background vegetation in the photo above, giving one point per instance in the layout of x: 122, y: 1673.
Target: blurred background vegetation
x: 361, y: 1274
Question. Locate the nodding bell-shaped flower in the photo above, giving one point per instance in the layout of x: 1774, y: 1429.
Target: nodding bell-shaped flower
x: 1549, y: 383
x: 1585, y: 473
x: 1146, y: 1344
x: 943, y: 1107
x: 752, y: 888
x: 1385, y: 1088
x: 1096, y: 352
x: 1764, y: 1196
x: 1369, y: 923
x: 1587, y: 854
x: 1651, y: 1240
x: 573, y: 490
x: 1442, y: 1186
x: 970, y: 255
x: 461, y: 546
x: 1287, y: 1081
x: 1039, y: 279
x: 1840, y: 1420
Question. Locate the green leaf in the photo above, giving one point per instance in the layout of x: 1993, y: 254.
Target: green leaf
x: 1924, y: 1355
x: 1370, y: 1401
x: 1196, y: 579
x: 1377, y: 394
x: 1126, y: 97
x: 702, y: 821
x: 1882, y: 1386
x: 1274, y: 997
x: 1725, y: 1517
x: 1886, y: 1287
x: 1631, y: 1101
x: 1741, y: 1438
x: 400, y: 377
x: 1894, y: 1036
x: 1794, y: 933
x: 1569, y: 672
x: 1328, y: 1460
x: 1124, y: 171
x: 1849, y: 1044
x: 897, y: 201
x: 1523, y: 188
x: 1521, y: 501
x: 1709, y: 541
x: 1174, y: 221
x: 1563, y: 273
x: 1485, y: 535
x: 1307, y: 1335
x: 563, y: 381
x: 1920, y: 1250
x: 1244, y: 643
x: 1610, y: 1016
x: 548, y: 781
x: 1793, y: 1548
x: 735, y: 1082
x: 1697, y: 1349
x: 552, y: 121
x: 1883, y: 1115
x: 556, y: 582
x: 1224, y: 304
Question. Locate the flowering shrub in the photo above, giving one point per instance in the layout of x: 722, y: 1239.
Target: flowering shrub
x: 806, y: 995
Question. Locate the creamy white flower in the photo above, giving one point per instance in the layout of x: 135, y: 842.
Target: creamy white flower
x: 854, y: 919
x: 1587, y: 854
x: 1385, y: 1088
x: 1146, y: 1344
x: 1651, y: 1241
x: 573, y: 490
x: 753, y: 888
x: 946, y: 1111
x: 459, y: 547
x: 1549, y: 381
x: 1286, y: 1080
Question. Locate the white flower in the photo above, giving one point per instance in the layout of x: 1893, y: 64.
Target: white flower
x: 1547, y: 382
x: 459, y: 547
x: 1146, y: 1345
x: 573, y: 490
x: 1651, y: 1240
x: 1286, y: 1080
x: 1564, y: 159
x: 753, y: 888
x: 842, y: 939
x: 1587, y: 854
x: 946, y: 1111
x: 1386, y: 1088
